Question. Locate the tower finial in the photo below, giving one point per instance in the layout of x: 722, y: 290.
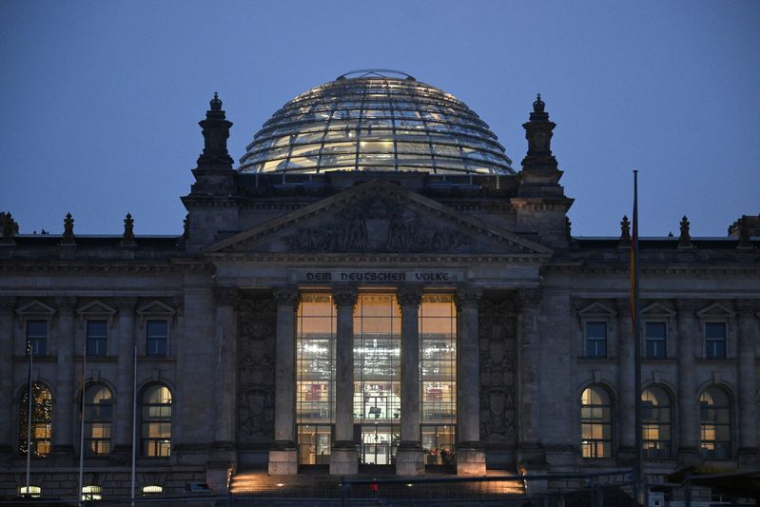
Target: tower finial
x: 539, y: 105
x: 216, y: 103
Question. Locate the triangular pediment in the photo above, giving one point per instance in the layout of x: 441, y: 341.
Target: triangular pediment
x: 715, y: 310
x: 658, y: 310
x: 596, y: 309
x: 156, y: 308
x: 36, y: 307
x: 379, y: 217
x: 96, y: 307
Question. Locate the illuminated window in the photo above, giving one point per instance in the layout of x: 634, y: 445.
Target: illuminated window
x: 36, y: 336
x: 42, y: 420
x: 157, y: 338
x: 156, y: 427
x: 656, y: 333
x: 97, y: 337
x: 152, y: 489
x: 596, y: 423
x: 596, y: 339
x: 97, y: 420
x: 715, y: 427
x: 715, y: 340
x: 656, y: 425
x: 315, y: 391
x: 30, y: 492
x: 438, y: 366
x: 91, y: 492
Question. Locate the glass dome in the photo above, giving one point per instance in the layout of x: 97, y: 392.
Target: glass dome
x: 375, y: 120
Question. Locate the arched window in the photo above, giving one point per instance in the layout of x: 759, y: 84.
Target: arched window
x: 97, y: 420
x: 42, y: 420
x: 596, y: 423
x: 656, y: 433
x: 715, y: 427
x: 156, y: 422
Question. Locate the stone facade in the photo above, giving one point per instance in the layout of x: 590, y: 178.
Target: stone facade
x: 527, y: 296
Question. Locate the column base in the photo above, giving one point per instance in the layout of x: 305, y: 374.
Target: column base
x: 343, y: 459
x: 63, y: 455
x: 410, y: 460
x: 688, y: 456
x: 531, y: 454
x: 471, y: 461
x: 749, y: 457
x: 218, y: 476
x: 283, y: 459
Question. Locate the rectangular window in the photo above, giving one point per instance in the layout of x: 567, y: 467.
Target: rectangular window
x: 97, y: 337
x: 655, y: 340
x: 596, y: 339
x: 158, y: 338
x: 715, y: 340
x: 36, y: 336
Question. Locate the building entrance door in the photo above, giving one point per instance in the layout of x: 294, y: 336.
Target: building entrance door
x: 379, y: 444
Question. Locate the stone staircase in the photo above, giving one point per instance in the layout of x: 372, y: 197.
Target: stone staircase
x: 317, y: 487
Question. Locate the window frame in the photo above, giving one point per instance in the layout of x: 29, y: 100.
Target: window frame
x: 46, y: 424
x: 104, y: 338
x: 90, y: 421
x: 162, y: 445
x: 587, y: 340
x: 704, y: 425
x: 34, y: 342
x: 590, y: 446
x: 706, y: 340
x: 165, y: 337
x: 648, y: 340
x: 660, y: 425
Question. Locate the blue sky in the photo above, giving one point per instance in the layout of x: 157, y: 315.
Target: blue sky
x: 99, y: 101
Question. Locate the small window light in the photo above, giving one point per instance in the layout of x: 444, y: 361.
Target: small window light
x: 152, y: 489
x: 92, y: 492
x: 30, y: 492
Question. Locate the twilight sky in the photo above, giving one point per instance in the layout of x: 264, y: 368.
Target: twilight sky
x: 99, y: 101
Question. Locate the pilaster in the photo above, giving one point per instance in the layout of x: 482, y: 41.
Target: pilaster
x: 226, y: 300
x: 63, y: 403
x: 748, y: 422
x: 7, y: 304
x: 627, y: 389
x: 125, y: 379
x: 688, y: 407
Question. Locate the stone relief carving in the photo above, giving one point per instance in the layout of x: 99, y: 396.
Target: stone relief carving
x: 378, y: 224
x: 256, y: 370
x: 498, y: 325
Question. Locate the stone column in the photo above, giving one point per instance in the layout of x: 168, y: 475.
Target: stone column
x: 343, y: 457
x: 688, y: 404
x: 66, y: 384
x: 626, y: 380
x: 409, y: 458
x: 748, y: 336
x: 283, y: 456
x: 226, y: 300
x: 125, y: 379
x: 471, y: 460
x: 9, y: 411
x: 530, y: 451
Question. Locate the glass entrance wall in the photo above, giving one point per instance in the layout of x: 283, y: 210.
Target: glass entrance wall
x: 438, y: 335
x: 315, y: 387
x: 377, y: 375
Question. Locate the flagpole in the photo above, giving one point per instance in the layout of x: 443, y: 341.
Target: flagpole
x: 81, y: 428
x: 30, y: 350
x: 636, y: 314
x: 134, y: 425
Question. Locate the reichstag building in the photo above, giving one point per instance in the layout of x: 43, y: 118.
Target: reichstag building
x: 374, y: 283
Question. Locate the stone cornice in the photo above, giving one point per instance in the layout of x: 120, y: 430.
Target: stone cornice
x: 623, y: 268
x: 54, y: 266
x: 379, y: 258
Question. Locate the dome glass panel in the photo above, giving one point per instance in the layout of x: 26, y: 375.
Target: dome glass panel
x: 375, y: 121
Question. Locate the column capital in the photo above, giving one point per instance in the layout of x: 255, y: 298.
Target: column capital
x: 7, y: 303
x: 409, y: 295
x: 623, y: 306
x: 467, y: 296
x: 126, y: 304
x: 345, y: 295
x: 286, y: 295
x: 747, y: 307
x: 529, y: 297
x: 66, y: 303
x: 227, y: 296
x: 688, y: 306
